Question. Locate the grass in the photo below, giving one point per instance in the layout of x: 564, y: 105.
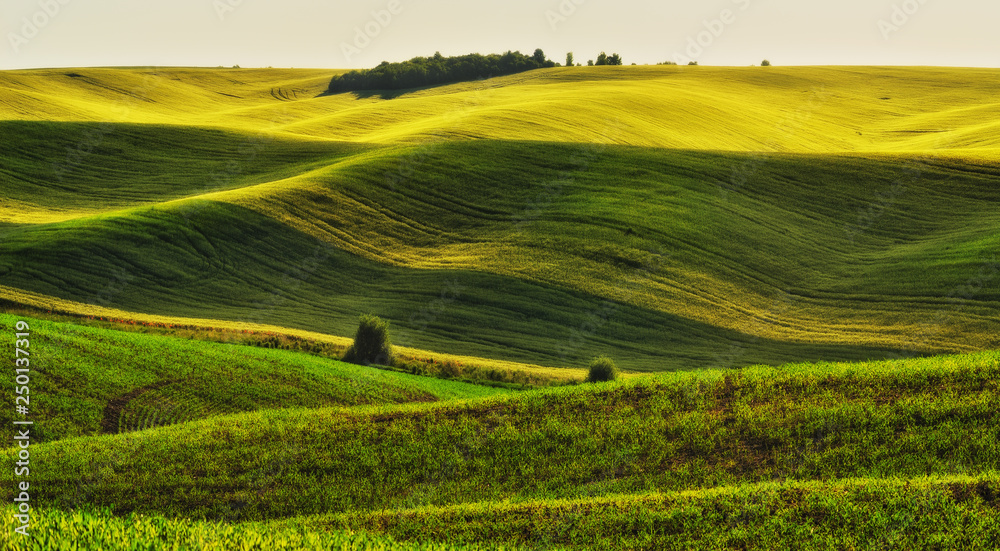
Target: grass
x: 32, y: 305
x: 91, y: 381
x: 800, y: 109
x: 671, y: 433
x: 950, y: 512
x: 100, y: 530
x: 730, y: 222
x: 862, y: 514
x: 669, y: 255
x: 710, y: 270
x: 68, y: 170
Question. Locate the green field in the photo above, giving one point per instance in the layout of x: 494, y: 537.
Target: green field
x: 722, y: 233
x: 101, y: 530
x: 811, y: 448
x: 103, y: 382
x: 670, y: 254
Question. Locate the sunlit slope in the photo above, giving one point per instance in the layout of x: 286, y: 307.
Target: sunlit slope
x: 870, y: 513
x: 56, y: 171
x: 668, y: 433
x: 153, y: 95
x: 876, y: 251
x: 89, y: 530
x: 869, y: 254
x: 220, y: 261
x: 94, y: 381
x: 801, y: 109
x: 668, y: 258
x: 953, y: 511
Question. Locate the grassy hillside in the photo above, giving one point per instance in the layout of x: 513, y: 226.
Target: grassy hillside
x: 59, y: 171
x: 676, y: 218
x: 670, y: 433
x: 860, y: 513
x: 669, y: 252
x: 100, y: 530
x: 957, y: 512
x: 32, y: 305
x: 92, y: 381
x: 772, y: 234
x: 802, y: 109
x: 900, y: 453
x: 532, y: 322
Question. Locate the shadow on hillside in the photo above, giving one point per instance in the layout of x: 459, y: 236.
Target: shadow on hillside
x: 389, y: 94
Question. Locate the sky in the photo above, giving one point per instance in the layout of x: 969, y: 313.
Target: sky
x: 362, y: 33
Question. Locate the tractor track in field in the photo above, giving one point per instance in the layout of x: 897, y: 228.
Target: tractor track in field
x: 111, y: 420
x: 284, y: 95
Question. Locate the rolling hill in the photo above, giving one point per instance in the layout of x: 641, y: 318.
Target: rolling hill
x: 97, y: 381
x: 723, y: 233
x: 669, y: 245
x: 751, y: 109
x: 813, y: 449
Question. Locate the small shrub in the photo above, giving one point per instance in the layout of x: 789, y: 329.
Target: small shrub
x: 450, y: 369
x: 602, y: 369
x: 371, y: 343
x: 765, y: 63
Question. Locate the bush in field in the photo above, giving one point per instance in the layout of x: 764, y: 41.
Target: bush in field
x: 371, y: 343
x: 450, y: 369
x: 602, y: 369
x: 765, y: 63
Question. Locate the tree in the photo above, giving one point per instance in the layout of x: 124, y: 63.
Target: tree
x: 539, y: 56
x: 615, y: 59
x: 590, y: 63
x: 692, y: 62
x: 371, y: 343
x: 602, y: 369
x: 569, y: 59
x: 765, y: 63
x: 431, y: 71
x: 602, y: 59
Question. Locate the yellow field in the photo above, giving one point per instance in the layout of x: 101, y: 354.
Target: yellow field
x: 790, y: 109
